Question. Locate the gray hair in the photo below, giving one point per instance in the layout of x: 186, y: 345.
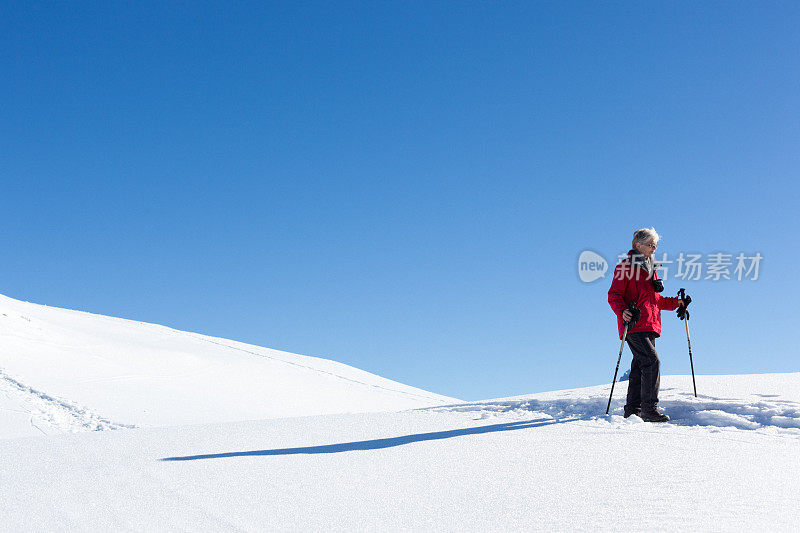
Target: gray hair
x: 645, y: 235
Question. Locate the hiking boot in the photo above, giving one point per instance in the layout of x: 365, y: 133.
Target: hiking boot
x: 653, y: 415
x: 632, y: 411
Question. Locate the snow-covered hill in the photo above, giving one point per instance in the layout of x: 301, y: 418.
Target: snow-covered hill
x: 214, y: 435
x: 63, y: 370
x: 545, y: 462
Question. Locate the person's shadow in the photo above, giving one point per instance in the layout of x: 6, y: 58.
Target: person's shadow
x: 376, y: 444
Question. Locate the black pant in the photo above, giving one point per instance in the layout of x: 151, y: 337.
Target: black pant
x: 645, y: 377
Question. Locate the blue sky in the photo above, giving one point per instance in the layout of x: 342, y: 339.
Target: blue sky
x: 405, y: 186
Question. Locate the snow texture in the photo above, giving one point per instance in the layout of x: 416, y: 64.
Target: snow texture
x: 393, y: 458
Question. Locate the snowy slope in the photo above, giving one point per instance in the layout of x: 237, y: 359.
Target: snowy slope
x: 63, y: 371
x: 544, y: 462
x: 215, y: 435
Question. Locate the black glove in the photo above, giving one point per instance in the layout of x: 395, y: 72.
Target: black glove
x: 635, y: 315
x: 686, y: 299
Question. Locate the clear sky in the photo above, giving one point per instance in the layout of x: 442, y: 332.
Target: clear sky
x: 405, y: 186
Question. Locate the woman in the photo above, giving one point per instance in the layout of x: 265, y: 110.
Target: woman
x: 636, y: 281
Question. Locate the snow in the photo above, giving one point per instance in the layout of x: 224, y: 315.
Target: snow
x: 728, y: 461
x: 64, y: 370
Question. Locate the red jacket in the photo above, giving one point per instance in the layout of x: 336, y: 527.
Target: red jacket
x: 633, y: 284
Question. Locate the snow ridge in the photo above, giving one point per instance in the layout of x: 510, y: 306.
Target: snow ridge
x: 55, y: 413
x: 778, y: 416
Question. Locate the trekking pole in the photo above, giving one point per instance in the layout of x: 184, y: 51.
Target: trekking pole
x: 631, y: 306
x: 681, y: 295
x: 614, y: 381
